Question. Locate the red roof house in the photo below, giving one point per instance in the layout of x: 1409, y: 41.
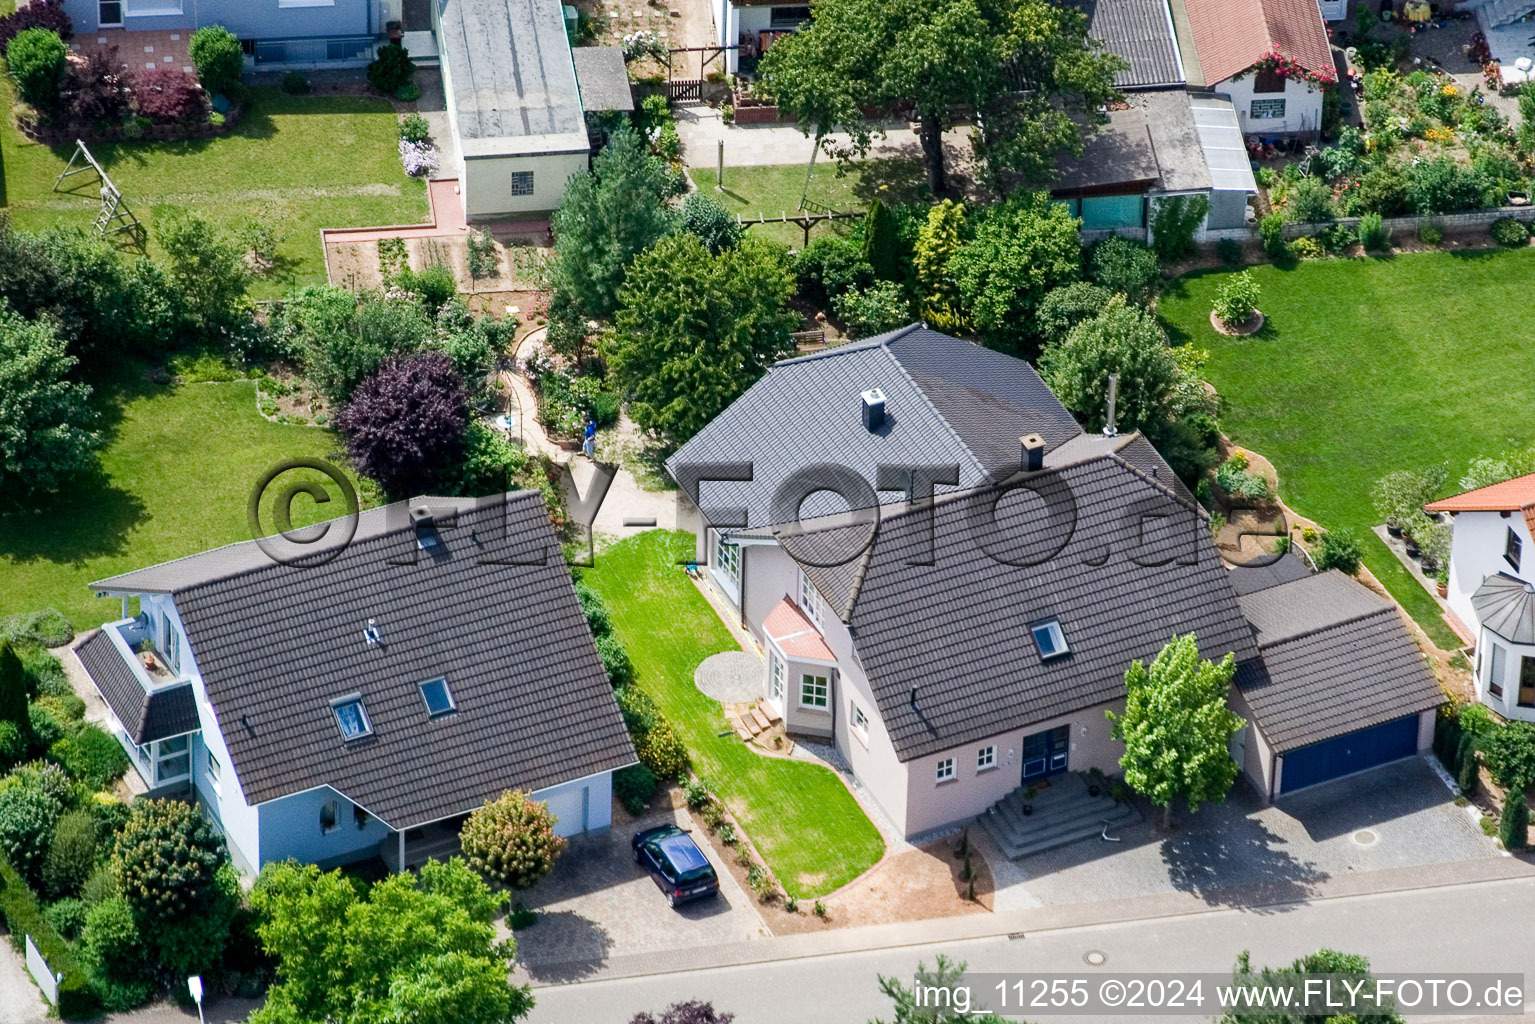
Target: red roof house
x: 1232, y: 36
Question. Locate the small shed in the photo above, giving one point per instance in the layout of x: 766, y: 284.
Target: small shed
x: 602, y: 78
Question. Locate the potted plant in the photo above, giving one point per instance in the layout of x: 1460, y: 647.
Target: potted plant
x: 1029, y: 793
x: 1095, y: 781
x: 1442, y: 581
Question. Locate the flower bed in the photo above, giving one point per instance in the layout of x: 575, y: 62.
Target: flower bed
x: 54, y: 135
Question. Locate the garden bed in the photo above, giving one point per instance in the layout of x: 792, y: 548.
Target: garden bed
x: 51, y: 135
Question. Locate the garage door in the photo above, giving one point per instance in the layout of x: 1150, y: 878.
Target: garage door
x: 1351, y: 752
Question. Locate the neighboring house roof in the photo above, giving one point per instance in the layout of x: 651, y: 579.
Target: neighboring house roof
x: 1233, y: 35
x: 956, y: 632
x: 1140, y: 31
x: 603, y: 79
x: 1151, y: 142
x: 1506, y: 606
x: 276, y: 644
x: 1336, y: 658
x: 1249, y: 579
x: 1508, y: 496
x: 795, y: 634
x: 511, y: 75
x: 161, y: 713
x: 947, y: 402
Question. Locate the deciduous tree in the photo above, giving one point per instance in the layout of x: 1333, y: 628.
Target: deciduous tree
x: 1176, y: 726
x: 404, y: 426
x: 45, y: 418
x: 1121, y: 339
x: 1021, y: 249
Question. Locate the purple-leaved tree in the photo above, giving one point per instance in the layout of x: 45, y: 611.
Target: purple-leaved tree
x: 404, y: 426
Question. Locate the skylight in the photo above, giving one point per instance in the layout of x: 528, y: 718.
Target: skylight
x: 439, y: 701
x: 351, y: 718
x: 1049, y: 639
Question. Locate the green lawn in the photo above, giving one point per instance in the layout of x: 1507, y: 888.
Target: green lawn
x: 175, y: 478
x: 800, y: 816
x: 300, y: 162
x: 1370, y: 365
x: 769, y: 191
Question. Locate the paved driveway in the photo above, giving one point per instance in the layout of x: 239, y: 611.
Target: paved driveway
x: 598, y: 903
x: 1241, y: 853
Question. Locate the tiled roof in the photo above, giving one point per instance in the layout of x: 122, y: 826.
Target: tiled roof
x: 795, y: 634
x: 1140, y: 31
x: 1336, y: 658
x: 1249, y: 579
x: 491, y: 608
x: 956, y: 631
x: 1508, y: 496
x: 1233, y: 35
x: 948, y: 402
x: 160, y: 713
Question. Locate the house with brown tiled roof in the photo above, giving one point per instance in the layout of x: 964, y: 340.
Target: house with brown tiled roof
x: 1492, y: 587
x: 1271, y: 58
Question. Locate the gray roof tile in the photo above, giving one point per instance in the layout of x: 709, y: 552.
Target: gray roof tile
x: 1331, y: 678
x: 1249, y: 579
x: 1140, y: 31
x: 275, y: 644
x: 1506, y: 605
x: 145, y: 716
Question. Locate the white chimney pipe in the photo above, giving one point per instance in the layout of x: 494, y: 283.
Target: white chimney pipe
x: 1109, y: 430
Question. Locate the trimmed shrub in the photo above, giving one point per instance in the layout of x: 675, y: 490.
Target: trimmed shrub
x: 1339, y: 550
x: 415, y: 128
x: 113, y: 950
x: 511, y: 840
x: 217, y: 56
x: 595, y: 611
x: 1508, y: 231
x: 1510, y: 754
x: 45, y: 628
x: 660, y: 749
x: 410, y: 92
x: 1063, y: 308
x: 46, y: 725
x: 166, y: 95
x: 1514, y: 827
x: 23, y: 915
x: 1372, y: 232
x: 1465, y: 765
x: 615, y: 660
x: 707, y: 217
x: 1271, y: 230
x: 91, y: 755
x: 13, y: 746
x: 30, y: 807
x: 392, y: 69
x: 166, y: 858
x: 295, y: 83
x: 1238, y: 299
x: 47, y: 14
x: 67, y: 916
x: 633, y: 786
x: 829, y: 267
x: 71, y: 856
x: 1123, y: 266
x: 35, y: 60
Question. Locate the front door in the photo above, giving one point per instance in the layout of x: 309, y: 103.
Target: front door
x: 1046, y: 753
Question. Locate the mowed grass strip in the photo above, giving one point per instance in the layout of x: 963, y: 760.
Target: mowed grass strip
x: 1371, y: 365
x: 799, y: 816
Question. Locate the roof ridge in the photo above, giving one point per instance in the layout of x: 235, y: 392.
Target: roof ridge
x: 1156, y: 482
x: 861, y: 345
x: 974, y: 459
x: 1484, y: 487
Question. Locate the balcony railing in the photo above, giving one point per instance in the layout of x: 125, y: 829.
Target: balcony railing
x: 134, y: 642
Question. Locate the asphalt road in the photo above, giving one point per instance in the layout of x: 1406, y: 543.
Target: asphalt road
x: 1487, y: 927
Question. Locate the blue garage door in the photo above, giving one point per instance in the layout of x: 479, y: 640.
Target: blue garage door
x: 1351, y: 752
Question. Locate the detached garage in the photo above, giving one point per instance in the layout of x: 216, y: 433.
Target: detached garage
x: 1340, y: 686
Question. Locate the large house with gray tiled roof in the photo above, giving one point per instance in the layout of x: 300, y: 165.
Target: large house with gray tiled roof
x: 957, y: 617
x: 362, y: 698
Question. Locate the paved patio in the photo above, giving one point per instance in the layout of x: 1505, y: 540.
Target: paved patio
x: 1398, y: 816
x: 730, y: 677
x: 139, y: 50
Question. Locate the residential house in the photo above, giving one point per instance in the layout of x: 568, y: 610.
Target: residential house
x: 1270, y: 58
x: 276, y: 33
x: 364, y: 699
x: 957, y: 639
x: 747, y: 28
x: 1492, y: 588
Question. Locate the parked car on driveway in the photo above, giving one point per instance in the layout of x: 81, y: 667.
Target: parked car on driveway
x: 676, y: 864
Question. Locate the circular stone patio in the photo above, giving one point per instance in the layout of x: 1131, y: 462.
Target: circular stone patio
x: 730, y: 677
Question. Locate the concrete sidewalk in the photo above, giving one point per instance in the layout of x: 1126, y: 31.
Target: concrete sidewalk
x: 954, y: 929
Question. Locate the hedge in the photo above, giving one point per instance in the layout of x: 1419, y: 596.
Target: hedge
x: 23, y: 915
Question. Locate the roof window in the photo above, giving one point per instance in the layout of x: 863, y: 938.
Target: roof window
x: 1049, y: 639
x: 439, y: 700
x: 351, y: 717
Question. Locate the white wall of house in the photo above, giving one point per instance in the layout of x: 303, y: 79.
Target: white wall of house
x: 1477, y: 543
x: 1302, y: 106
x: 318, y: 826
x: 933, y: 804
x: 1257, y: 761
x: 492, y: 187
x: 1499, y: 666
x: 580, y: 805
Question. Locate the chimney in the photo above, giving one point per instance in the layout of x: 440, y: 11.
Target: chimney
x: 1032, y: 457
x: 873, y: 404
x: 914, y: 698
x: 1109, y: 430
x: 425, y: 521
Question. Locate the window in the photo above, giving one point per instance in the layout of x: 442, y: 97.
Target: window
x: 789, y: 17
x: 1496, y: 670
x: 151, y: 8
x: 809, y: 599
x: 439, y: 701
x: 522, y: 183
x: 860, y: 721
x: 1267, y: 110
x: 728, y: 556
x: 360, y: 817
x: 946, y: 770
x: 351, y: 719
x: 775, y: 679
x: 1512, y: 546
x: 1049, y: 639
x: 214, y: 770
x: 109, y: 14
x: 812, y: 691
x: 985, y: 758
x: 330, y: 811
x: 281, y: 4
x: 1268, y: 81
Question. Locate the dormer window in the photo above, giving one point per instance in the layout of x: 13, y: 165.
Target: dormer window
x: 1512, y: 546
x: 1049, y: 639
x: 351, y: 718
x: 439, y: 700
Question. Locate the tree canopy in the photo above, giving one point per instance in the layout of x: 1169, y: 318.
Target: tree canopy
x: 404, y: 426
x: 1121, y: 339
x: 1176, y: 725
x: 45, y: 418
x: 413, y: 948
x: 695, y: 330
x: 1021, y: 66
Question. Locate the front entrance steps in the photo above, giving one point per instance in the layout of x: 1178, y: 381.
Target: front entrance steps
x: 754, y: 720
x: 1062, y: 813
